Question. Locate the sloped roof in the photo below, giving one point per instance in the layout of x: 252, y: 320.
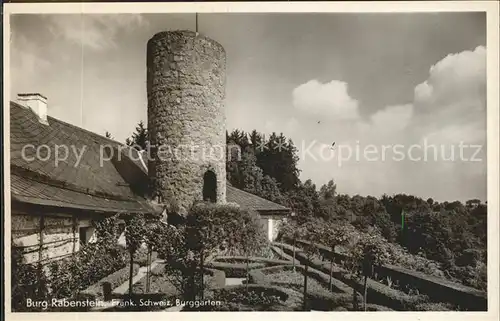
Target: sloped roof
x: 86, y: 183
x: 90, y: 184
x: 251, y: 201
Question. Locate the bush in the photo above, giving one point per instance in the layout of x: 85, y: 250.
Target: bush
x: 235, y: 270
x: 378, y: 293
x: 67, y: 277
x: 28, y: 282
x: 314, y: 274
x: 208, y: 230
x: 433, y: 307
x: 216, y: 278
x: 115, y: 279
x: 318, y: 295
x: 93, y: 262
x: 251, y: 259
x: 141, y: 257
x: 376, y: 307
x: 236, y: 266
x: 89, y: 265
x: 255, y: 298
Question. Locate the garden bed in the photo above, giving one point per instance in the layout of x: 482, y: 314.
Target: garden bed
x: 116, y: 279
x: 252, y: 259
x: 378, y: 293
x: 426, y: 280
x: 252, y: 298
x: 314, y: 277
x: 236, y: 266
x: 161, y: 283
x: 319, y: 296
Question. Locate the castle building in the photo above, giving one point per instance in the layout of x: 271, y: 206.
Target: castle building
x: 54, y: 202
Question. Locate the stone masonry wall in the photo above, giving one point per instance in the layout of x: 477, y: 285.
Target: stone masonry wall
x: 186, y: 77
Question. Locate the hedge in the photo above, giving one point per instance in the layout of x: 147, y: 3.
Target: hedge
x: 436, y: 288
x: 116, y: 279
x: 217, y: 278
x: 235, y: 270
x: 337, y: 286
x: 377, y: 293
x: 290, y: 299
x: 376, y: 307
x: 321, y: 302
x: 239, y: 270
x: 223, y: 259
x: 282, y: 254
x: 342, y: 295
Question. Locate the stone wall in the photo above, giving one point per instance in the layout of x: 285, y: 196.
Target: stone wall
x: 186, y: 76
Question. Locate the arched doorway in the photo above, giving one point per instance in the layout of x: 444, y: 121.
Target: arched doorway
x: 210, y: 187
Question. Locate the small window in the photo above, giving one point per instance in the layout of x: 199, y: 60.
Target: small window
x: 210, y: 187
x: 121, y: 228
x: 85, y: 235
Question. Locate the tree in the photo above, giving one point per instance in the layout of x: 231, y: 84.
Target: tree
x: 473, y: 203
x: 246, y: 175
x: 290, y: 230
x: 171, y: 246
x: 308, y: 231
x: 335, y: 234
x: 135, y: 236
x: 251, y: 233
x: 328, y: 191
x: 364, y: 254
x: 152, y: 231
x: 209, y: 229
x: 279, y: 160
x: 139, y: 138
x: 28, y: 282
x: 305, y: 201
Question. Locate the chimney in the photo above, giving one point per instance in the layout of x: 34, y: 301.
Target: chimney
x: 37, y: 103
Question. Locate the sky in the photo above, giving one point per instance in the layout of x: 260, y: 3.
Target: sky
x: 402, y: 96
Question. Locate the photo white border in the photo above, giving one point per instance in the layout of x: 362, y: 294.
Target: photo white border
x: 490, y: 7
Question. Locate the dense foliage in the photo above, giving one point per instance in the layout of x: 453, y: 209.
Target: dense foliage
x: 67, y: 277
x: 93, y: 262
x: 139, y: 138
x: 28, y: 281
x: 209, y: 229
x: 453, y: 234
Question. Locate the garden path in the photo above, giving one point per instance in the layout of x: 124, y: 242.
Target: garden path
x: 122, y: 289
x: 235, y: 281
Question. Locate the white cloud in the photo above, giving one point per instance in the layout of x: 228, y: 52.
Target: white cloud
x: 25, y: 64
x: 329, y: 99
x: 452, y: 102
x: 448, y: 109
x: 97, y: 32
x: 459, y: 77
x: 393, y: 117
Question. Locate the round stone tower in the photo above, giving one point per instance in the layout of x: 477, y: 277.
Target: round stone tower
x: 186, y: 78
